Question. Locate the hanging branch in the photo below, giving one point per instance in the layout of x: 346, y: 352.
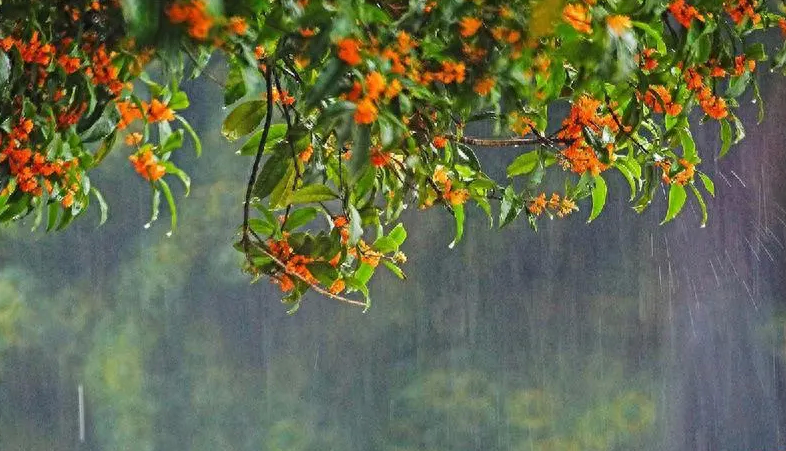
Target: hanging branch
x: 258, y: 158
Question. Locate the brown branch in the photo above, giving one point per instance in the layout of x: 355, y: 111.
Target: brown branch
x: 503, y: 142
x: 257, y: 159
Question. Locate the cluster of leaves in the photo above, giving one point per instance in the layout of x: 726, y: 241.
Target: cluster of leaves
x: 354, y: 110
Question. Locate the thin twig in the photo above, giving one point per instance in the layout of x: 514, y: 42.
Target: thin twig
x: 505, y: 142
x: 258, y: 158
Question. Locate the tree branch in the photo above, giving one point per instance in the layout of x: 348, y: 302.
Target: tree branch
x: 504, y: 142
x: 258, y: 158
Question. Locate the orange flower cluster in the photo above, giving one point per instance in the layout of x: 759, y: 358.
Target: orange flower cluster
x: 305, y: 154
x: 367, y: 255
x: 742, y: 64
x: 743, y: 9
x: 556, y: 205
x: 659, y: 99
x: 484, y: 86
x: 450, y: 72
x: 367, y: 111
x: 380, y: 158
x: 103, y: 71
x: 713, y: 106
x: 282, y: 97
x: 34, y: 51
x: 294, y: 263
x: 683, y: 177
x: 452, y: 196
x: 578, y: 16
x: 130, y: 111
x: 147, y: 165
x: 349, y: 51
x: 684, y: 13
x: 646, y: 59
x: 194, y: 14
x: 32, y: 169
x: 619, y: 24
x: 520, y: 124
x: 237, y: 25
x: 579, y: 156
x: 469, y: 26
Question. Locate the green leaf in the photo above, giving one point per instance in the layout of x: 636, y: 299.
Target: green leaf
x: 323, y: 272
x: 688, y: 146
x: 51, y: 215
x: 5, y: 68
x: 274, y: 169
x: 312, y: 193
x: 179, y: 101
x: 510, y: 207
x: 244, y: 119
x: 394, y: 269
x: 192, y: 133
x: 677, y: 197
x: 364, y: 273
x: 458, y: 214
x: 327, y: 83
x: 523, y: 164
x: 355, y: 225
x: 179, y: 173
x: 277, y: 134
x: 709, y: 185
x: 385, y: 244
x: 599, y: 192
x: 103, y: 207
x: 279, y: 197
x: 651, y: 32
x: 398, y: 234
x: 629, y: 178
x: 173, y: 141
x: 235, y: 85
x: 170, y: 200
x: 300, y: 217
x: 725, y: 137
x: 702, y: 204
x: 261, y: 226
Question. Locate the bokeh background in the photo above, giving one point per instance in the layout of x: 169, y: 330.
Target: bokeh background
x: 617, y: 335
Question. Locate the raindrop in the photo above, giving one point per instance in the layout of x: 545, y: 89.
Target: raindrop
x: 147, y: 226
x: 169, y: 234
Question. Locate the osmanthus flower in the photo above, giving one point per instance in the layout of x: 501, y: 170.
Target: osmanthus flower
x: 538, y: 204
x: 194, y: 14
x: 578, y: 16
x: 740, y: 10
x: 147, y: 165
x: 159, y: 112
x: 659, y: 99
x: 349, y: 51
x: 685, y: 13
x: 484, y: 86
x: 619, y: 24
x: 366, y: 112
x: 470, y: 26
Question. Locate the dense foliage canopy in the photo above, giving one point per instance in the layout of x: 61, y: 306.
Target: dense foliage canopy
x: 353, y: 110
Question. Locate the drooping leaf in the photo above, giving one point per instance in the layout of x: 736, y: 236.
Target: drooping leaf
x: 244, y: 119
x: 677, y: 197
x: 599, y: 193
